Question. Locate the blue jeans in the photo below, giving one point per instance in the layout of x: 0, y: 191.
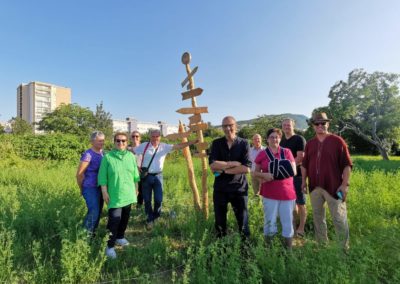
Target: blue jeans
x: 152, y: 183
x: 94, y: 203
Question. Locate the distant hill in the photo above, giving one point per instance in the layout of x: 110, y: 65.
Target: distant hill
x: 301, y: 120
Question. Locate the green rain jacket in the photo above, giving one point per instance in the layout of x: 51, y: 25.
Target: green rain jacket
x: 119, y: 172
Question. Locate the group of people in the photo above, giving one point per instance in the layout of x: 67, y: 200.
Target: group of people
x: 282, y: 173
x: 123, y: 176
x: 279, y: 172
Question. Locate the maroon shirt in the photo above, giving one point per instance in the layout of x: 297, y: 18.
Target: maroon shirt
x: 325, y: 162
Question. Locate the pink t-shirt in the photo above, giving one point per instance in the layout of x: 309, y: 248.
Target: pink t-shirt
x: 276, y: 189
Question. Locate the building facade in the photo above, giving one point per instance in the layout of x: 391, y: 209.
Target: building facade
x: 35, y: 99
x: 130, y: 124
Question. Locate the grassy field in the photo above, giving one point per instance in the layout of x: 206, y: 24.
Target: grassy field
x: 41, y: 238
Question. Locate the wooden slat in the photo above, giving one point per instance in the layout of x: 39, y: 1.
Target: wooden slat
x: 194, y: 119
x: 202, y: 146
x: 192, y: 93
x: 192, y: 110
x: 199, y: 126
x: 184, y: 82
x: 175, y: 136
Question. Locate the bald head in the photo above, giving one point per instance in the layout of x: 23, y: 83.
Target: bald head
x: 229, y: 127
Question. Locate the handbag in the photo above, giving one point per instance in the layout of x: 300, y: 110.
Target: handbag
x: 279, y: 168
x: 144, y: 171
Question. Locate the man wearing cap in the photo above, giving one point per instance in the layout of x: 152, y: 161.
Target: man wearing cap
x: 230, y: 157
x: 327, y: 165
x: 296, y: 144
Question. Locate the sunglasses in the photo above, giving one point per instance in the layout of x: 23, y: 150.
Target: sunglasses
x: 135, y: 136
x: 320, y: 123
x: 120, y: 140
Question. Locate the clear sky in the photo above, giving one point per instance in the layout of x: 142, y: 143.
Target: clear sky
x: 254, y: 57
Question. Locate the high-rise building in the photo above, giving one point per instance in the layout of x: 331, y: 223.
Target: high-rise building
x: 36, y: 99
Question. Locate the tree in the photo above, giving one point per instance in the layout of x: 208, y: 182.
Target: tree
x: 70, y: 118
x: 20, y: 126
x: 368, y: 105
x: 261, y: 126
x: 2, y: 130
x: 103, y: 121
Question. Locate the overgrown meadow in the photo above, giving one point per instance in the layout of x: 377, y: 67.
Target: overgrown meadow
x: 41, y: 239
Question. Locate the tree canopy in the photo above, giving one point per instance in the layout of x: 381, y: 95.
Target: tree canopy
x: 20, y: 126
x: 368, y: 105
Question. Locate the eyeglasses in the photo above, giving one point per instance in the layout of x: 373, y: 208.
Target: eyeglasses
x: 228, y: 125
x: 120, y: 141
x: 135, y: 136
x: 320, y: 123
x: 274, y: 137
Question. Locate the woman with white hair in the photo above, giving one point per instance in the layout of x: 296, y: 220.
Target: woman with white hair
x: 86, y: 178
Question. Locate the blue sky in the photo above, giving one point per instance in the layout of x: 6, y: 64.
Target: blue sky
x: 254, y: 57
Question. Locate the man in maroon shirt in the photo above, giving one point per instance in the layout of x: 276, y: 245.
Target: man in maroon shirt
x: 327, y: 165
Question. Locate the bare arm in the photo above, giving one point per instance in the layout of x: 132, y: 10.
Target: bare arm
x: 265, y: 177
x: 304, y: 179
x: 299, y: 157
x: 219, y: 166
x: 344, y: 187
x: 294, y: 168
x: 104, y: 192
x: 80, y: 173
x: 242, y: 169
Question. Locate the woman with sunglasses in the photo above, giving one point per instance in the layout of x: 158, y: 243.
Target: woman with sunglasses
x: 278, y: 194
x: 118, y: 177
x: 86, y: 177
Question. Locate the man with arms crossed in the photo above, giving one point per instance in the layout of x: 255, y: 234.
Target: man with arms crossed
x: 327, y: 166
x: 230, y: 158
x: 296, y: 143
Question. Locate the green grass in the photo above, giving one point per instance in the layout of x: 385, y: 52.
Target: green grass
x: 41, y: 238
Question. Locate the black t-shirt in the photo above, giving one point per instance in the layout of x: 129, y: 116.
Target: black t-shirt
x: 294, y: 143
x: 240, y: 152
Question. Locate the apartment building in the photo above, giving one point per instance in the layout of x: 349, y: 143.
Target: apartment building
x: 37, y: 98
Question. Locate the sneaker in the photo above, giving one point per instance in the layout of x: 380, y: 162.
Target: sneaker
x: 110, y: 253
x: 122, y: 242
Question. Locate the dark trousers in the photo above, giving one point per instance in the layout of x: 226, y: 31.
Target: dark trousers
x: 117, y: 222
x: 140, y: 194
x: 238, y: 201
x: 152, y: 183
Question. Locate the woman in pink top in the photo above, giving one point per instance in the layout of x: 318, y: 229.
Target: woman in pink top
x: 278, y: 194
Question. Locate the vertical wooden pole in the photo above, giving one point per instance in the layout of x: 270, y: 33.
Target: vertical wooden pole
x: 191, y: 175
x: 204, y: 164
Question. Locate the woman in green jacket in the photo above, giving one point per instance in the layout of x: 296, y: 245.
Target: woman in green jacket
x: 118, y: 178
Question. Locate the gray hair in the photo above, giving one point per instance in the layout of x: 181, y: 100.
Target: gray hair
x: 290, y: 119
x: 154, y: 131
x: 96, y: 134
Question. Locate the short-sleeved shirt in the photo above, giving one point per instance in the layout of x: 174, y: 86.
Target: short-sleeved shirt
x: 158, y: 162
x: 240, y: 152
x: 325, y: 162
x: 119, y: 172
x: 295, y: 143
x: 253, y: 155
x: 94, y: 160
x: 276, y: 189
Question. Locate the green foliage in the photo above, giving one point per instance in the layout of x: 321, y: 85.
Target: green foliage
x: 103, y: 121
x: 20, y: 126
x: 261, y: 126
x: 41, y: 213
x: 54, y: 146
x: 2, y: 129
x: 70, y: 118
x: 369, y: 105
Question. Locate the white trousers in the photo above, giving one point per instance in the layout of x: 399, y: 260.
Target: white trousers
x: 283, y: 209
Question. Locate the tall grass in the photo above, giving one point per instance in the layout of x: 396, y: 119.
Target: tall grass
x: 41, y: 239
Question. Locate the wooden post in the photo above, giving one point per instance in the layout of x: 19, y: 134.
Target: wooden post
x: 191, y: 176
x: 186, y: 57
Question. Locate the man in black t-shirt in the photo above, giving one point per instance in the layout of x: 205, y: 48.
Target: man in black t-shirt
x: 296, y: 144
x: 230, y: 161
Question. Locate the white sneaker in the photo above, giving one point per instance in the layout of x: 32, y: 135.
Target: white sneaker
x: 122, y: 242
x: 110, y: 253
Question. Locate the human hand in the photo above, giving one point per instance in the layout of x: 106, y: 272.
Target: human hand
x: 304, y: 187
x: 344, y: 189
x: 106, y: 197
x: 232, y: 164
